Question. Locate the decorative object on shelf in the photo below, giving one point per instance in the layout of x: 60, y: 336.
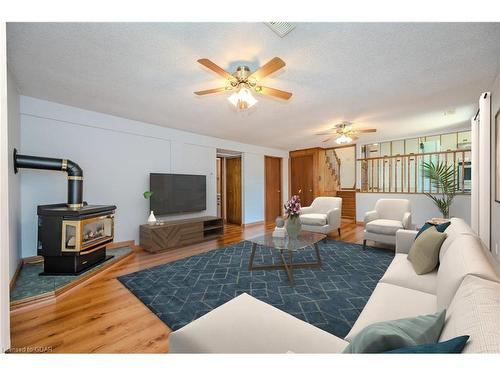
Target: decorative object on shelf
x: 243, y: 81
x: 152, y: 218
x: 442, y: 178
x: 279, y: 230
x: 292, y: 210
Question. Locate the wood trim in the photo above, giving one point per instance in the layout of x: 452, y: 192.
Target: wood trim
x: 116, y: 245
x: 253, y: 224
x: 280, y: 183
x: 16, y: 274
x: 234, y: 192
x: 413, y: 154
x: 343, y: 146
x: 33, y: 259
x: 403, y: 193
x: 20, y: 305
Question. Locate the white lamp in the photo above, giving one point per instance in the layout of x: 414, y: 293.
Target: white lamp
x: 242, y: 99
x: 343, y: 139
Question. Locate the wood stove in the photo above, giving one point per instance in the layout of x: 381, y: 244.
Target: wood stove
x: 72, y: 236
x: 73, y: 240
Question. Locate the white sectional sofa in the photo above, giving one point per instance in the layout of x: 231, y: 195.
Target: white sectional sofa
x: 466, y: 284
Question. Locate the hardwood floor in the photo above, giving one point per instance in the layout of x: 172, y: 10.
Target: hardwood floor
x: 102, y: 316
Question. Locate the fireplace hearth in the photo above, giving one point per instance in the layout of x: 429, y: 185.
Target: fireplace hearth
x: 72, y: 236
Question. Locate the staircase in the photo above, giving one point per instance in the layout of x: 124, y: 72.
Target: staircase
x: 331, y: 183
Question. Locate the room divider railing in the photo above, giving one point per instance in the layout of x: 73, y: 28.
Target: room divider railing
x: 405, y: 173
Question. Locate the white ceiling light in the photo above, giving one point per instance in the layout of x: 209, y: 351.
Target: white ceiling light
x: 242, y: 99
x: 343, y: 139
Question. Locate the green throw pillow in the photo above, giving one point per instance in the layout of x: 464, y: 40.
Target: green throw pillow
x: 424, y: 253
x: 384, y: 336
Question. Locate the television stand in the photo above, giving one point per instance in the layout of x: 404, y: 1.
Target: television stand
x: 178, y: 233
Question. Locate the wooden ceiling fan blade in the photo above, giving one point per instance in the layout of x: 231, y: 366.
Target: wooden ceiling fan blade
x: 216, y: 68
x: 270, y: 67
x: 326, y: 140
x: 273, y: 92
x: 325, y: 133
x: 211, y: 91
x: 366, y: 130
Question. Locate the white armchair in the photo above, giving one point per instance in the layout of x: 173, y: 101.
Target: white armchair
x: 386, y: 219
x: 322, y: 216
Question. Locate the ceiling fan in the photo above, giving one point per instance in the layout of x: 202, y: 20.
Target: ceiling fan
x: 243, y: 81
x: 344, y: 133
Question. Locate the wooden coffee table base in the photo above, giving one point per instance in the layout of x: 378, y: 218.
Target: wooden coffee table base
x: 287, y: 266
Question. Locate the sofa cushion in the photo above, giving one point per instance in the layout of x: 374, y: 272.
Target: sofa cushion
x: 247, y: 325
x: 456, y: 227
x: 391, y: 302
x: 384, y: 226
x: 383, y: 336
x: 453, y: 346
x: 424, y: 253
x: 439, y: 227
x: 313, y: 219
x: 401, y: 273
x: 465, y: 256
x: 475, y: 311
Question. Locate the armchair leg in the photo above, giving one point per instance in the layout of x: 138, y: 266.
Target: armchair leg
x: 364, y: 244
x: 339, y: 232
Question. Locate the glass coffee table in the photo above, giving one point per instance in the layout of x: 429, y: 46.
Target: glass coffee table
x: 286, y: 245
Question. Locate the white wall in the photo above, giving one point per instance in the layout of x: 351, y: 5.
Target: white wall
x: 422, y: 207
x: 117, y: 155
x: 4, y: 199
x: 495, y: 206
x: 347, y: 156
x: 253, y: 189
x: 14, y: 141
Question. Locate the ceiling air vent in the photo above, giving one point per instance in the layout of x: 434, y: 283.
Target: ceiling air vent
x: 280, y: 28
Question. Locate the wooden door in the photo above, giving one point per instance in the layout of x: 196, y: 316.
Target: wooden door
x: 301, y: 178
x: 233, y: 190
x: 272, y: 177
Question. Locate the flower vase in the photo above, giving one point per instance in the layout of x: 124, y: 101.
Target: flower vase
x: 151, y: 219
x: 293, y: 226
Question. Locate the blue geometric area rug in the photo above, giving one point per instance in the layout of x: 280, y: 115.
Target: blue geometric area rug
x: 330, y: 297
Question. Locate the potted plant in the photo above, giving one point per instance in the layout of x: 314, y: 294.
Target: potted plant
x: 151, y: 218
x: 292, y: 212
x: 442, y: 178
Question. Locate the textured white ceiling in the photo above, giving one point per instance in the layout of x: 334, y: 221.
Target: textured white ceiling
x: 399, y: 77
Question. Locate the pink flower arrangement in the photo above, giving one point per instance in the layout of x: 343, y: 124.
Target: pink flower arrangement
x: 292, y: 207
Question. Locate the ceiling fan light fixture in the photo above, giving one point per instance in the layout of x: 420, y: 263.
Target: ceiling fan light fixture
x: 243, y: 99
x: 343, y: 139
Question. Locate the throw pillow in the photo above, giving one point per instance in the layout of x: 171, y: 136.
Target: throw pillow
x: 384, y: 336
x: 424, y: 253
x: 453, y: 346
x: 440, y: 227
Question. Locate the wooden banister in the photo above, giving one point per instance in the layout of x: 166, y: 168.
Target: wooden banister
x: 404, y: 173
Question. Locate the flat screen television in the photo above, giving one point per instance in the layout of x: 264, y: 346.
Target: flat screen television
x: 177, y: 193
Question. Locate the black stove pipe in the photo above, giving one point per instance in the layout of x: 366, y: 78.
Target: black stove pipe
x: 75, y: 173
